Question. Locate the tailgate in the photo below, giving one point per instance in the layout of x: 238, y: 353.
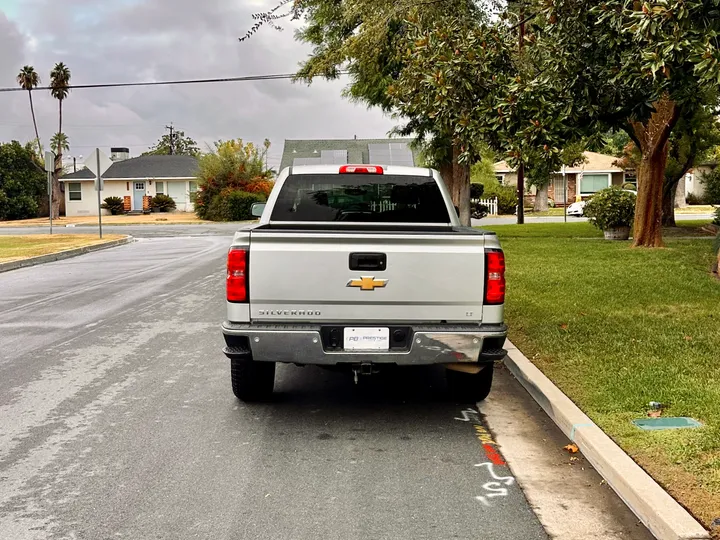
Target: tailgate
x: 307, y: 276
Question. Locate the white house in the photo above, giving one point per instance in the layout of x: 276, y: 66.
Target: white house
x: 134, y: 180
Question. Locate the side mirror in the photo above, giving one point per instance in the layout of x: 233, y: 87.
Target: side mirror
x: 257, y: 209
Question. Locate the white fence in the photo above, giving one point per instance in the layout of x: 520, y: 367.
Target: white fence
x: 492, y: 205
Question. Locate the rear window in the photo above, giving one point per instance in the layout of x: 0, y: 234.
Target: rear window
x: 360, y: 198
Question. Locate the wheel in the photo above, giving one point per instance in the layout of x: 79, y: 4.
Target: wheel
x: 472, y: 387
x: 252, y: 381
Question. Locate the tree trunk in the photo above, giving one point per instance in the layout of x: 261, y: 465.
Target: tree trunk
x: 668, y: 204
x: 461, y: 188
x: 541, y: 198
x: 521, y: 194
x: 56, y: 175
x: 446, y: 173
x: 653, y: 137
x: 37, y: 134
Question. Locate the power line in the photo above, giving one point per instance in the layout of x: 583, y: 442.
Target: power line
x: 274, y: 77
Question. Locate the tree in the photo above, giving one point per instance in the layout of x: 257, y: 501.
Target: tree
x: 22, y: 181
x: 363, y: 38
x: 179, y: 145
x: 233, y: 166
x: 60, y: 141
x: 59, y: 89
x: 28, y: 79
x: 697, y: 132
x: 623, y: 66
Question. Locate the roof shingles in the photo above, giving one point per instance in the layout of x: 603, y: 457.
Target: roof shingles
x: 144, y: 167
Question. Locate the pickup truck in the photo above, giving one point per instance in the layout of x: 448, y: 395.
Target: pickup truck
x: 363, y: 267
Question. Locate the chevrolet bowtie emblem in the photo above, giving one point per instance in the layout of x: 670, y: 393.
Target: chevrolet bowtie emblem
x: 367, y: 283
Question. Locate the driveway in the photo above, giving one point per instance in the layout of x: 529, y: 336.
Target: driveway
x: 118, y: 421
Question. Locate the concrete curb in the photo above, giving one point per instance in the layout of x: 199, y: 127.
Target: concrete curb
x: 660, y: 513
x: 60, y: 255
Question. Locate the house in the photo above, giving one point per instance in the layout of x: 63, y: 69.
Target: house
x: 136, y: 180
x: 598, y: 172
x: 352, y: 151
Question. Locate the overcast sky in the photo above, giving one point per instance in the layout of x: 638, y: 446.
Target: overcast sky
x: 153, y: 40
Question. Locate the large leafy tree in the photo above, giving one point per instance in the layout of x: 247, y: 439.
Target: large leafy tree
x: 179, y: 145
x: 635, y: 66
x: 22, y: 181
x: 59, y: 89
x: 28, y: 79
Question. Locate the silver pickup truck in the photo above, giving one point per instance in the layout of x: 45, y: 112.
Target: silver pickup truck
x: 362, y: 267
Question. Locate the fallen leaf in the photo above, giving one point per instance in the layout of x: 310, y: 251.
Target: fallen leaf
x: 573, y: 458
x: 655, y: 414
x: 563, y: 327
x: 572, y: 448
x: 688, y: 338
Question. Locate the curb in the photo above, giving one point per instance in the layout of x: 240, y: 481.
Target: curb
x: 658, y: 511
x: 60, y: 255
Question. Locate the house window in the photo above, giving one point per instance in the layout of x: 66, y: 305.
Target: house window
x: 160, y: 188
x: 500, y: 178
x: 193, y: 191
x: 592, y: 183
x: 75, y: 191
x: 193, y: 187
x: 139, y: 186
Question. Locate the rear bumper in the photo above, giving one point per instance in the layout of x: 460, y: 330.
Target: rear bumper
x: 302, y: 344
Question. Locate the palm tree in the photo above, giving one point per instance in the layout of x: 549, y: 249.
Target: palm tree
x: 59, y: 89
x: 60, y: 140
x: 28, y: 79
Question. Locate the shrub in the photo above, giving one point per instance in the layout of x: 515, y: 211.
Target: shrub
x: 233, y: 205
x: 476, y: 191
x: 164, y: 203
x: 716, y: 221
x: 233, y: 166
x: 611, y: 208
x: 116, y: 205
x: 711, y: 181
x: 691, y: 198
x: 479, y: 211
x: 506, y: 196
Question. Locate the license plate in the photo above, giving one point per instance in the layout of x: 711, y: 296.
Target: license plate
x: 367, y: 339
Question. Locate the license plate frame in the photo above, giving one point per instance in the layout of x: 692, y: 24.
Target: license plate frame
x: 365, y: 339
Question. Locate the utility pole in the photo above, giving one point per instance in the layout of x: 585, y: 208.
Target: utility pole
x: 172, y: 138
x: 521, y: 166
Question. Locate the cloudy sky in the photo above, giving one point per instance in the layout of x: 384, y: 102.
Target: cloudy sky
x: 154, y: 40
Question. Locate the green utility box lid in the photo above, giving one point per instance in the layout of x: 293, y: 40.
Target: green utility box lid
x: 677, y: 422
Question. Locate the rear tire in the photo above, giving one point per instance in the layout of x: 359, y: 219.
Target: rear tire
x: 252, y: 381
x: 468, y: 386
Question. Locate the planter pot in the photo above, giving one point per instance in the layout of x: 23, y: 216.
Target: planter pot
x: 617, y: 233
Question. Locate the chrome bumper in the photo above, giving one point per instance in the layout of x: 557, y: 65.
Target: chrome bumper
x: 301, y: 344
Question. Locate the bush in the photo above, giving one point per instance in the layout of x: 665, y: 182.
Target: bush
x: 716, y: 221
x: 163, y: 203
x: 479, y: 211
x: 476, y: 191
x: 233, y: 166
x: 116, y: 205
x: 611, y: 208
x: 507, y: 199
x: 233, y: 205
x: 711, y: 181
x: 691, y: 198
x: 23, y: 185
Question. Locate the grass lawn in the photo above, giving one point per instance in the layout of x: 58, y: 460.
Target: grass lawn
x: 170, y: 218
x: 13, y: 248
x: 616, y: 328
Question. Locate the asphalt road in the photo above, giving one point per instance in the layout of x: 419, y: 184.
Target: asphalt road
x: 227, y: 229
x: 117, y: 421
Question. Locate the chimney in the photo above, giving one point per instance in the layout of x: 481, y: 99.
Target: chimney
x: 119, y: 154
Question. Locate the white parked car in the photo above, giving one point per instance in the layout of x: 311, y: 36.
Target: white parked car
x: 576, y: 209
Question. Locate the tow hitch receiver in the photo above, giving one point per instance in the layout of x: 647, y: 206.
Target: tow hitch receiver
x: 366, y: 368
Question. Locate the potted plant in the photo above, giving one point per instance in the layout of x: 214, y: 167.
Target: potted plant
x: 162, y: 203
x: 612, y: 210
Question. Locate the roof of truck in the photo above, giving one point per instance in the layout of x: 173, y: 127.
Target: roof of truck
x: 335, y: 169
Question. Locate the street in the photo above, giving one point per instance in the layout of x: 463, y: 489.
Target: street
x: 117, y: 421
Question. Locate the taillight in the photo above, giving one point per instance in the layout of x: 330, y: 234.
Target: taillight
x: 237, y: 274
x: 361, y: 169
x: 494, y: 277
